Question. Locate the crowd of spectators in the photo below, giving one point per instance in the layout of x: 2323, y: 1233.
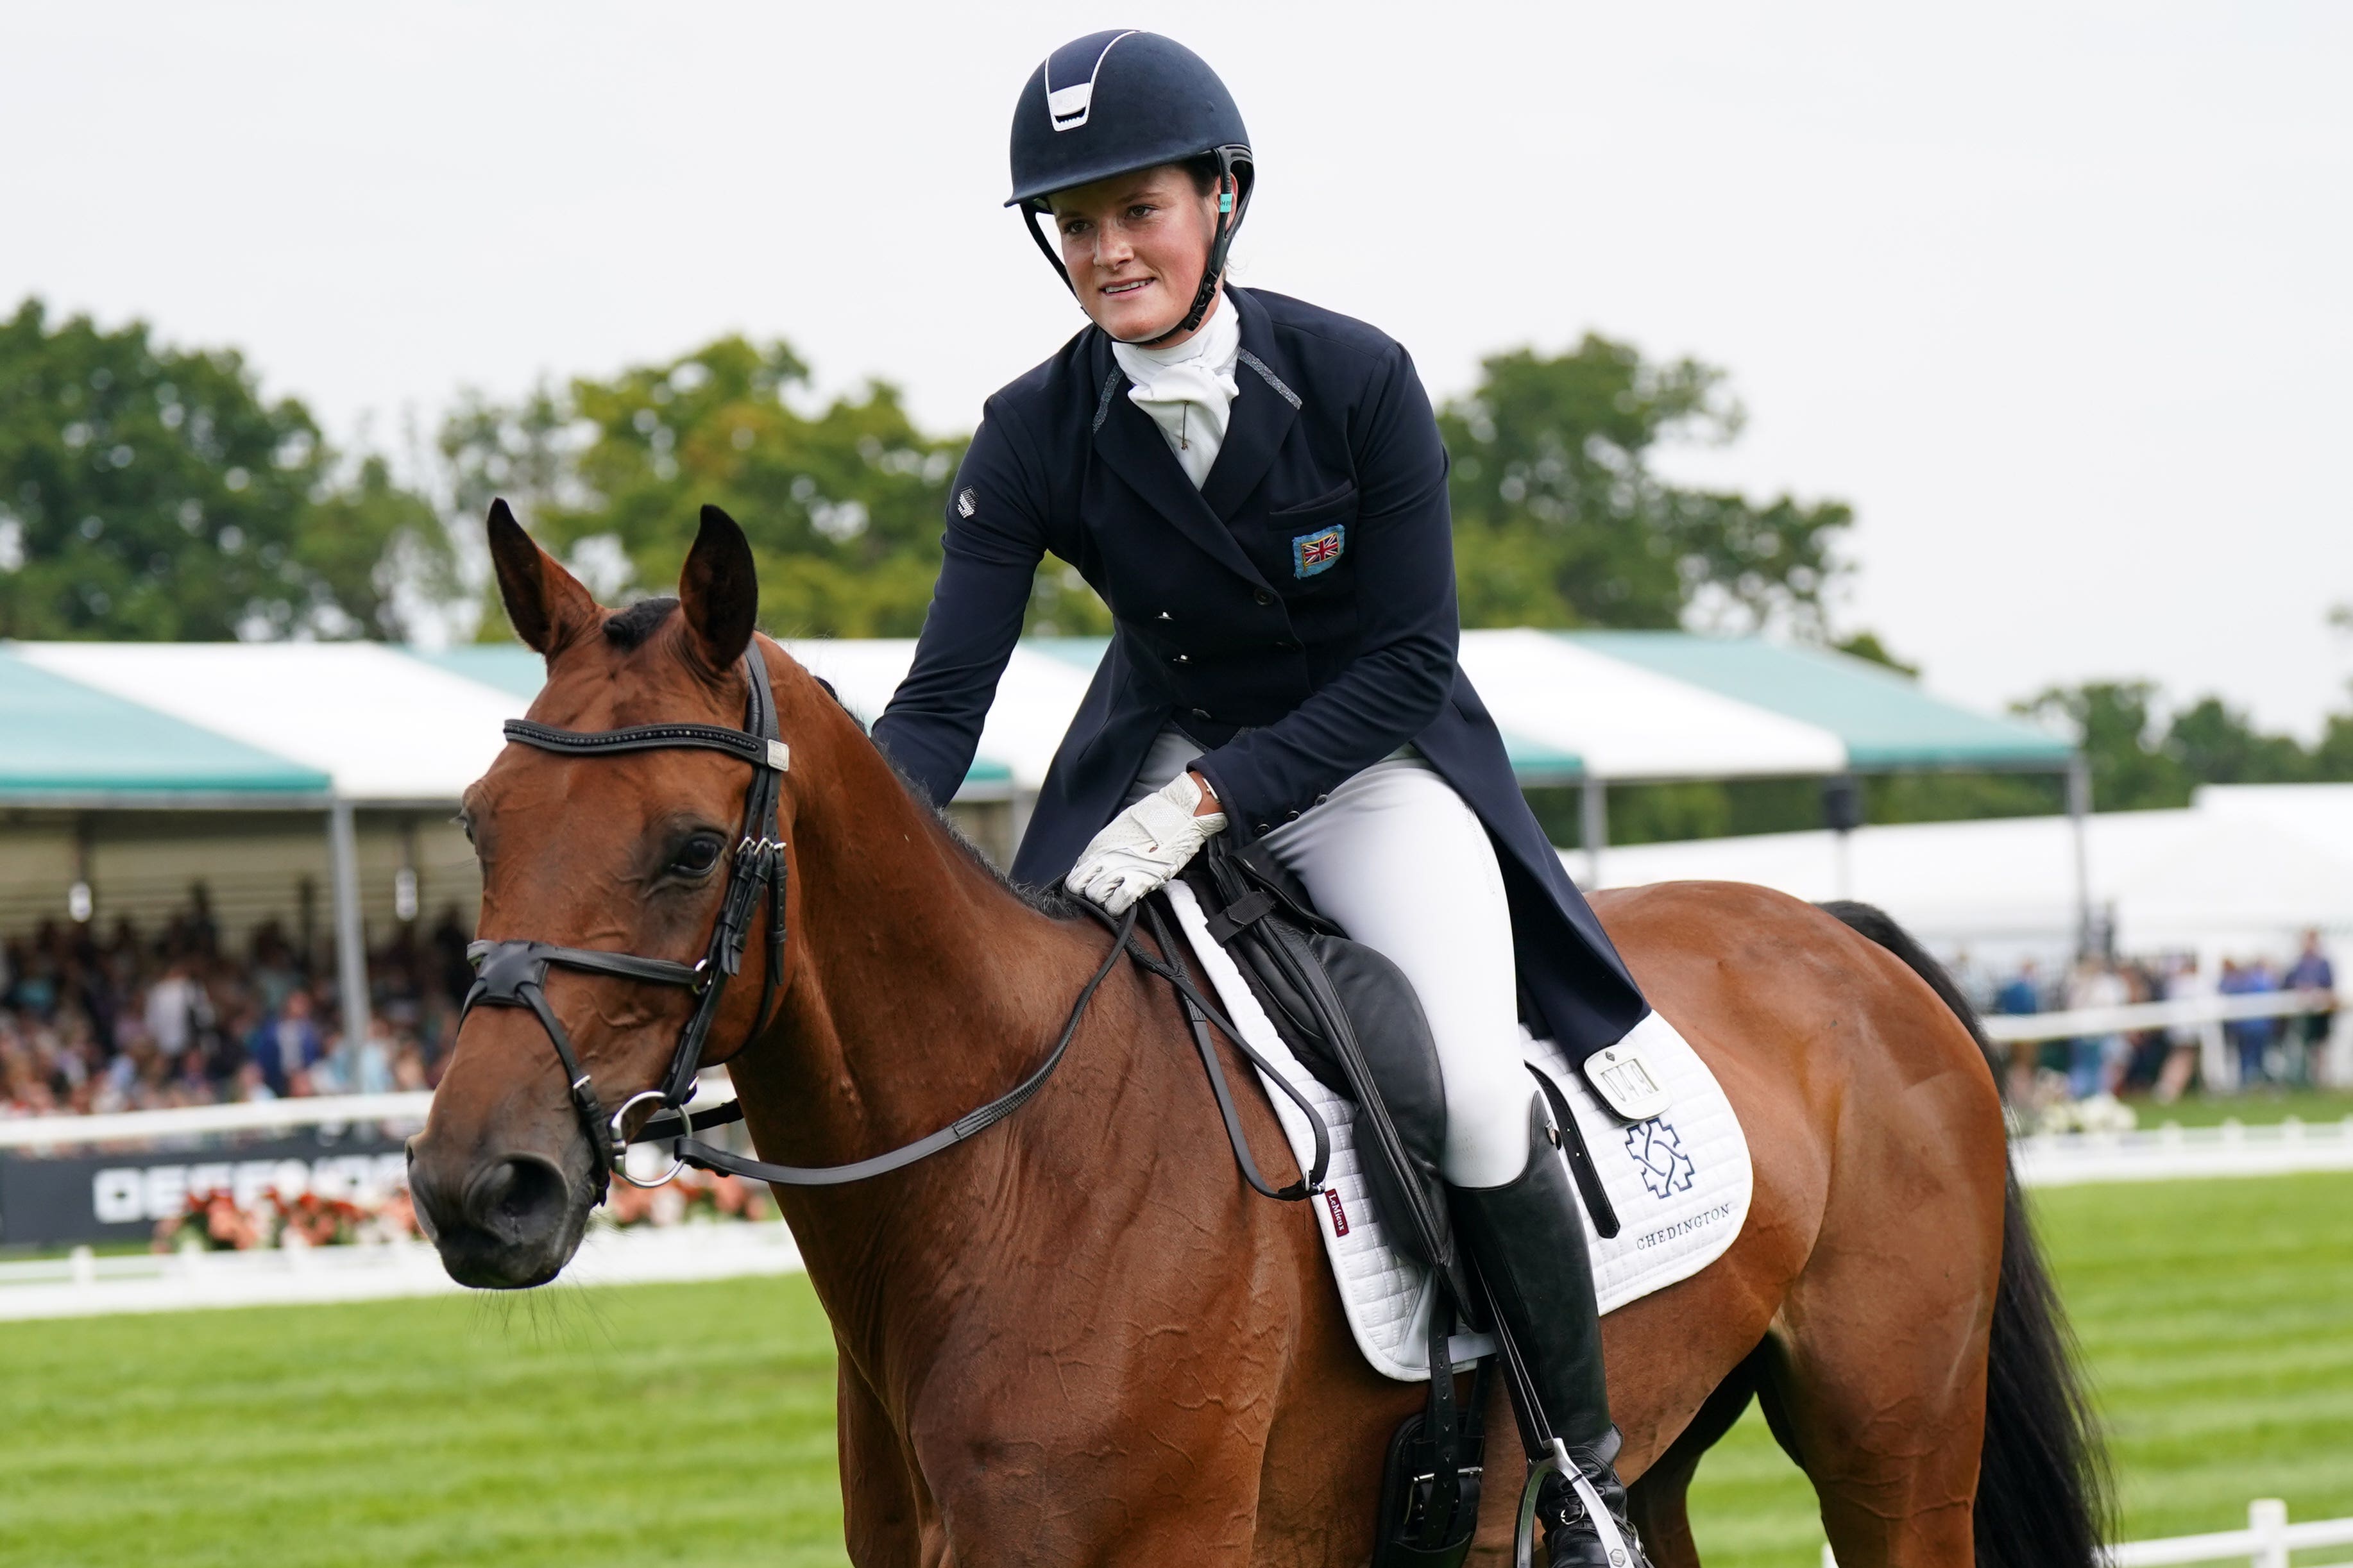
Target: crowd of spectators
x: 122, y: 1018
x: 2166, y: 1063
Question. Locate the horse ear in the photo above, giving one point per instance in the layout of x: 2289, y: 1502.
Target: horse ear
x: 547, y: 605
x: 720, y: 592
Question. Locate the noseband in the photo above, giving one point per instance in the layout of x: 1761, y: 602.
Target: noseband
x: 515, y: 975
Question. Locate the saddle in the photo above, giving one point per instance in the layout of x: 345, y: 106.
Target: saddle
x: 1352, y: 1018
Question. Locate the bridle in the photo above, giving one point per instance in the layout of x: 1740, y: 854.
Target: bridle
x: 513, y: 974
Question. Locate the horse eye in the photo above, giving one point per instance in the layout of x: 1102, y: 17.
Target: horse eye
x: 698, y: 855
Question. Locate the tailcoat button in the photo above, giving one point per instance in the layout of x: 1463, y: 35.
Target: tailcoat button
x: 1183, y: 658
x: 1201, y: 713
x: 1287, y: 645
x: 1321, y: 798
x: 1164, y: 615
x: 1263, y: 597
x: 1291, y: 816
x: 1264, y: 827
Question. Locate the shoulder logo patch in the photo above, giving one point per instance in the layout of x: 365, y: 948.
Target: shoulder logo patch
x: 965, y: 502
x: 1318, y: 551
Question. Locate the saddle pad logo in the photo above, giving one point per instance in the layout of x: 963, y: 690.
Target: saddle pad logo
x: 1339, y: 1214
x: 1318, y: 551
x: 1658, y: 1149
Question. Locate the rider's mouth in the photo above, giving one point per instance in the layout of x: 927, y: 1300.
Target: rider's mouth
x: 1129, y: 288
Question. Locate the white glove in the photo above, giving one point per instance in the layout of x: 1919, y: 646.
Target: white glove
x: 1145, y: 846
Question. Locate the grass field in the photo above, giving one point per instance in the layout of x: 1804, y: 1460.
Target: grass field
x: 692, y: 1425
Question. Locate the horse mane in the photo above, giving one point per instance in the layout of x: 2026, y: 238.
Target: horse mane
x: 628, y: 630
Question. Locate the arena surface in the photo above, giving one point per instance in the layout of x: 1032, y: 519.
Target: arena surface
x: 693, y: 1425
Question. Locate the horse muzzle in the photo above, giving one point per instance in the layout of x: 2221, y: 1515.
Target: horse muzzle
x: 502, y: 1223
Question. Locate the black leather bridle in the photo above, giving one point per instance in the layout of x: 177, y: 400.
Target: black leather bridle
x: 515, y: 975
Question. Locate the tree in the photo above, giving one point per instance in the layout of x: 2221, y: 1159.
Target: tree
x: 843, y: 506
x: 1560, y: 521
x: 151, y: 492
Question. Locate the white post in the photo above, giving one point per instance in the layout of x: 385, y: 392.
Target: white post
x: 2267, y: 1517
x: 350, y: 947
x: 1593, y: 826
x: 2079, y: 812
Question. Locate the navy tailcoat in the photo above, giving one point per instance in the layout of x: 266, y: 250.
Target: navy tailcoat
x: 1296, y: 615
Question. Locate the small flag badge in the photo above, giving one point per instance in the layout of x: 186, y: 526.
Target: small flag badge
x: 1319, y: 551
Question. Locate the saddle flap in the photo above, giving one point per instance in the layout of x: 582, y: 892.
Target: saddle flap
x: 1351, y: 1019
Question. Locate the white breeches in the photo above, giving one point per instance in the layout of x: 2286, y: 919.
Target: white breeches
x: 1395, y: 855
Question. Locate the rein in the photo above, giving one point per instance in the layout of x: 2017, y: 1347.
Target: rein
x: 515, y: 975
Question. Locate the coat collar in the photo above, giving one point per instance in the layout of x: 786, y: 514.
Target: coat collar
x: 1134, y: 448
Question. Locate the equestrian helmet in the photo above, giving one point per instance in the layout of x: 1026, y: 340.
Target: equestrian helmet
x: 1120, y: 101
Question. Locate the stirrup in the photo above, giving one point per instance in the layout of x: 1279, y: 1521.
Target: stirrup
x: 1556, y: 1461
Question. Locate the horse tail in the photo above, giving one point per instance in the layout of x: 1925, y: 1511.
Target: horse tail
x: 2042, y: 1477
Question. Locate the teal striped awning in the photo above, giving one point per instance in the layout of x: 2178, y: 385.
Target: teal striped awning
x: 66, y: 742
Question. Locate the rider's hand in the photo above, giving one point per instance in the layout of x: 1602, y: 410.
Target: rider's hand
x: 1145, y: 846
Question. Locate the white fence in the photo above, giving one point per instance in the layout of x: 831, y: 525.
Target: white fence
x: 2264, y: 1543
x: 2137, y: 1015
x: 194, y: 1121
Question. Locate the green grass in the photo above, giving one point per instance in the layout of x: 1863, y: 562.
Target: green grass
x: 691, y: 1424
x: 2257, y: 1108
x: 2216, y: 1321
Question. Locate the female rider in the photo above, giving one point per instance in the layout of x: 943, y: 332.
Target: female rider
x: 1257, y: 490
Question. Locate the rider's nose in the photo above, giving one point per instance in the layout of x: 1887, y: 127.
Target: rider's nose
x: 520, y: 1199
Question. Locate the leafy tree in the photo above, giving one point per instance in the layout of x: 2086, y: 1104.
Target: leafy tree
x: 149, y: 492
x: 843, y: 506
x: 1559, y: 520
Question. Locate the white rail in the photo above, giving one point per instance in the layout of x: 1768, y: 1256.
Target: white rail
x: 2264, y: 1543
x: 2134, y: 1015
x: 242, y: 1116
x: 256, y: 1116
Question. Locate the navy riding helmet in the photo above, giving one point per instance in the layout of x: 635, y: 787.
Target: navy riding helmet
x: 1116, y: 101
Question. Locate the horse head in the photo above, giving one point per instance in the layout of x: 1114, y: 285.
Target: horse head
x: 624, y: 853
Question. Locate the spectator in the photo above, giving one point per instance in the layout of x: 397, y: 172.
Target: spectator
x: 2095, y: 1063
x: 2181, y: 983
x: 287, y: 1046
x: 2312, y: 975
x: 2252, y: 1037
x: 2021, y: 994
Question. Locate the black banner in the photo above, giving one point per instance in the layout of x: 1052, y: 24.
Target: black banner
x: 45, y: 1200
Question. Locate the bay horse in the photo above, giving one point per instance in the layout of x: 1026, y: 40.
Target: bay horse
x: 1079, y: 1337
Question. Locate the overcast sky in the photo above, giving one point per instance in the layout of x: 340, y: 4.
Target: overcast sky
x: 2056, y: 295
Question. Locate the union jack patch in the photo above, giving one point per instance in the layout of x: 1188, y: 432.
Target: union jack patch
x: 1320, y: 552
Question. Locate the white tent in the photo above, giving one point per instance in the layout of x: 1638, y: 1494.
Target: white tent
x: 2241, y: 871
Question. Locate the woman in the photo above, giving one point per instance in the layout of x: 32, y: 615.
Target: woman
x: 1256, y: 488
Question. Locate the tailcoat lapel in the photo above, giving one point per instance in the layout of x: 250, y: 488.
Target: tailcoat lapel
x: 1266, y: 402
x: 1131, y: 445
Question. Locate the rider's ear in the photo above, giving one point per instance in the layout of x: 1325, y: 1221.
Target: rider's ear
x: 720, y: 592
x: 547, y: 605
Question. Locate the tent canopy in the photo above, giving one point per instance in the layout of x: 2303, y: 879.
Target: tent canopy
x: 386, y: 726
x: 68, y: 743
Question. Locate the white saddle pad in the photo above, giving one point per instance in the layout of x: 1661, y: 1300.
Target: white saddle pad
x: 1680, y: 1181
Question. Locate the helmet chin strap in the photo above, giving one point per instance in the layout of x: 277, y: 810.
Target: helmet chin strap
x: 1233, y: 203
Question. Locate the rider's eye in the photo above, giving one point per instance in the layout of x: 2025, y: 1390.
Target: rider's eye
x: 697, y: 856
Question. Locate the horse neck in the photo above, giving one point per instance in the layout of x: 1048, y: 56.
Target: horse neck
x: 921, y: 985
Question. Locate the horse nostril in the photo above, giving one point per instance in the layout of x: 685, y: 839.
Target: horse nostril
x: 517, y: 1199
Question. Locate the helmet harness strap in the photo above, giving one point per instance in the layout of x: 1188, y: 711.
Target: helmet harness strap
x: 1233, y: 205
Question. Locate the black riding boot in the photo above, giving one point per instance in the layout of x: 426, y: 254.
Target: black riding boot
x: 1528, y: 1240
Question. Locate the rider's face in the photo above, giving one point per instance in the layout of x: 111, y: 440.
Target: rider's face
x: 1135, y: 246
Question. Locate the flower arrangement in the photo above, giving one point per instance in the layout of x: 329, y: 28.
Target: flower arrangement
x: 213, y: 1222
x: 694, y: 1194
